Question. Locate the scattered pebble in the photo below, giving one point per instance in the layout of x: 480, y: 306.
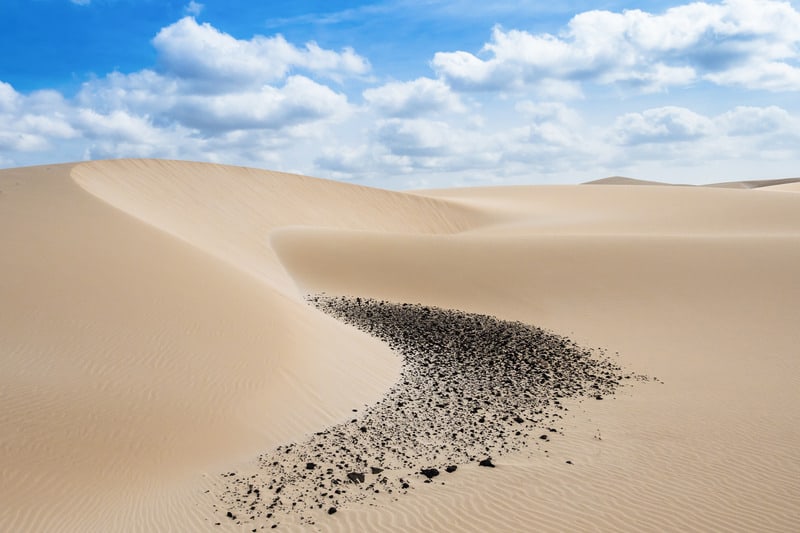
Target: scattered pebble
x: 429, y: 472
x: 470, y: 386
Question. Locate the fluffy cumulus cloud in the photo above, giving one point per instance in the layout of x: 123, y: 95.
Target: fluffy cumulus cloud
x: 414, y: 98
x: 748, y: 120
x: 569, y: 106
x: 210, y: 96
x: 661, y: 125
x: 670, y: 125
x: 9, y: 99
x: 218, y: 62
x: 749, y: 43
x: 299, y: 100
x: 194, y: 8
x: 417, y: 152
x: 745, y: 140
x: 31, y: 123
x: 210, y: 82
x: 553, y: 137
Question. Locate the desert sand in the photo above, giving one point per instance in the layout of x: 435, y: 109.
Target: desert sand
x: 156, y: 337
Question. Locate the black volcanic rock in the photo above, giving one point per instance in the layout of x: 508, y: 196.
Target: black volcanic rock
x: 356, y: 477
x: 470, y: 386
x: 429, y: 472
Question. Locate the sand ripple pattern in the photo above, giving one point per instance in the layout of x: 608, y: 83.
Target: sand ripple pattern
x: 472, y: 388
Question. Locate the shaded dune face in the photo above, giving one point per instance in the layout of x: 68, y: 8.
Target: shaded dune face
x: 472, y: 388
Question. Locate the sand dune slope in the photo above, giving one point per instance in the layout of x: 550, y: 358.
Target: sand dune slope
x: 229, y: 211
x: 697, y: 287
x: 133, y: 362
x: 154, y: 334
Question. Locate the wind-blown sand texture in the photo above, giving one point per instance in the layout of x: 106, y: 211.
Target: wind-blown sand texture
x: 155, y: 338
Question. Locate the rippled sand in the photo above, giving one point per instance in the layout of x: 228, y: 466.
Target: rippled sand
x: 155, y: 338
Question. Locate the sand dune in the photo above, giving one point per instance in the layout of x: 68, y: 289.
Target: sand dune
x: 755, y: 184
x: 622, y: 180
x: 154, y: 334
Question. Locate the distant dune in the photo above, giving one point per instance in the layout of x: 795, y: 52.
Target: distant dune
x: 157, y: 350
x: 621, y: 180
x: 746, y: 184
x: 758, y: 184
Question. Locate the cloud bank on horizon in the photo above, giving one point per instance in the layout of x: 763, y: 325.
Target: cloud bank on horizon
x: 694, y: 92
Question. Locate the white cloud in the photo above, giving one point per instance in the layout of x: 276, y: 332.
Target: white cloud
x: 413, y: 98
x: 345, y: 160
x: 424, y: 145
x: 548, y: 111
x: 28, y: 123
x: 551, y: 124
x: 751, y: 43
x: 754, y: 142
x: 661, y: 125
x: 773, y: 76
x: 9, y: 98
x: 55, y: 126
x: 270, y: 103
x: 81, y: 2
x: 194, y: 8
x: 748, y: 120
x: 140, y: 92
x: 419, y: 138
x: 117, y: 125
x: 22, y: 142
x: 188, y: 96
x: 218, y: 62
x: 299, y: 100
x: 550, y: 140
x: 553, y: 138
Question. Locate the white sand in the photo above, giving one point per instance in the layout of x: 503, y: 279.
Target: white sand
x: 153, y: 334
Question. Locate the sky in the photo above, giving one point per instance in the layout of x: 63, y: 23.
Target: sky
x: 409, y: 94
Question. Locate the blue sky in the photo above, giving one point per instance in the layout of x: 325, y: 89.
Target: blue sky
x: 403, y: 93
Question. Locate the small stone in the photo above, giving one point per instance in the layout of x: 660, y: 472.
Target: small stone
x: 356, y: 477
x: 450, y: 469
x: 332, y: 510
x: 487, y: 462
x: 310, y: 466
x: 375, y: 470
x: 429, y: 472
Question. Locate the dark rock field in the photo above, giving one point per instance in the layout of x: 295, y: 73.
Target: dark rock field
x: 472, y: 389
